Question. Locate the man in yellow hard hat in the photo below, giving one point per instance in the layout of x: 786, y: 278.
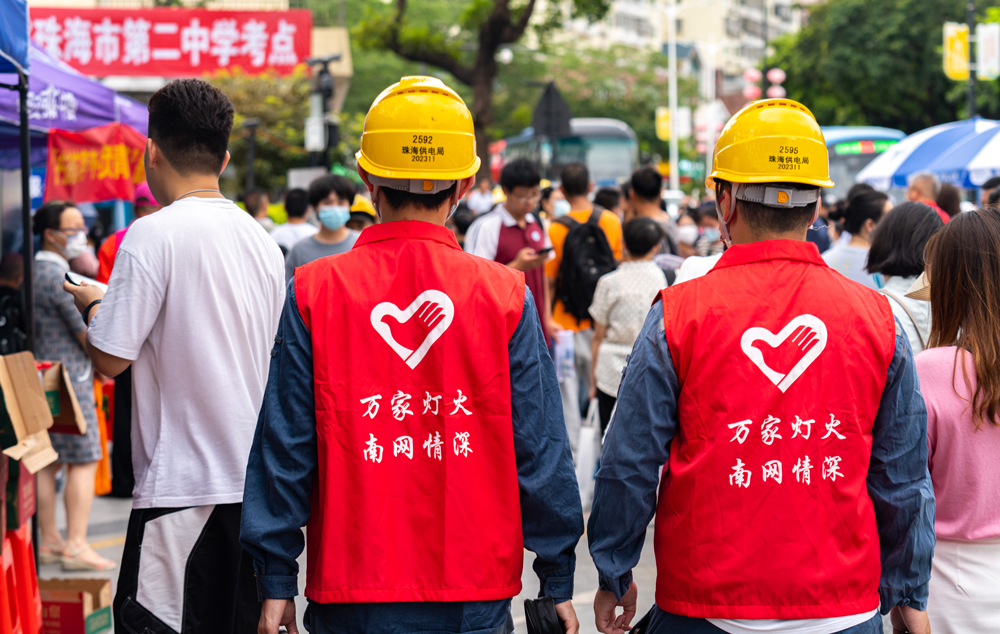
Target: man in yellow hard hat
x: 362, y: 214
x: 412, y: 417
x: 784, y: 402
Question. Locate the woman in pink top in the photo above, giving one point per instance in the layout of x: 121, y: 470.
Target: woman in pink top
x: 960, y: 380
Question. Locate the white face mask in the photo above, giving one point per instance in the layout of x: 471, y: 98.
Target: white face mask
x: 76, y: 245
x: 560, y: 207
x: 688, y: 234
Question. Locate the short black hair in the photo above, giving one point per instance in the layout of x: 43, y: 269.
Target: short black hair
x: 575, y: 179
x: 994, y: 197
x: 254, y: 199
x: 647, y: 183
x: 762, y: 219
x: 296, y: 203
x: 607, y: 198
x: 641, y: 236
x: 399, y: 199
x: 897, y: 244
x: 863, y: 207
x: 858, y: 188
x: 463, y: 219
x: 992, y: 183
x: 519, y: 173
x: 190, y: 120
x: 320, y: 188
x: 547, y: 193
x: 11, y: 266
x: 49, y: 216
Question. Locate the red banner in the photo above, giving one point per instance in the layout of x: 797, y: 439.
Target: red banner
x: 172, y: 42
x: 98, y: 164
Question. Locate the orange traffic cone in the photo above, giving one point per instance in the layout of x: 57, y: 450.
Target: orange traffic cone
x: 29, y: 601
x: 10, y: 621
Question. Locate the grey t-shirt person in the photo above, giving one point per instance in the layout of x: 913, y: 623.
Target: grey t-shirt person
x: 312, y: 249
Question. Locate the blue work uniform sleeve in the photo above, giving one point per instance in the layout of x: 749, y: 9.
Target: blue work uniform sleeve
x: 637, y: 445
x: 551, y: 515
x: 283, y: 460
x: 900, y: 487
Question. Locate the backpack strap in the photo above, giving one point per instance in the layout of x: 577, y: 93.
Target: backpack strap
x: 595, y: 216
x: 908, y: 314
x: 566, y: 221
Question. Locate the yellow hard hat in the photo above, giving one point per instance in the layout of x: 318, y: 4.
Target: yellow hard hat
x: 363, y: 205
x: 772, y: 141
x: 419, y: 129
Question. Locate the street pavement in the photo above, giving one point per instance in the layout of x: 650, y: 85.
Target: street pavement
x: 109, y: 519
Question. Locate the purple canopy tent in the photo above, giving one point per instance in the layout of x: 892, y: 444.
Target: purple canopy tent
x: 60, y: 97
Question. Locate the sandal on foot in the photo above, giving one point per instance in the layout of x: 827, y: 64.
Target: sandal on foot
x: 50, y: 554
x: 73, y: 560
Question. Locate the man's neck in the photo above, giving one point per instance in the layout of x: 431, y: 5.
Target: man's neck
x: 649, y: 209
x: 519, y: 218
x: 336, y: 236
x: 295, y: 221
x: 437, y: 216
x: 578, y: 203
x: 177, y: 188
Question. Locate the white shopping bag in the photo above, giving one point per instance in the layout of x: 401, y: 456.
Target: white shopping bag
x: 588, y: 452
x: 563, y: 356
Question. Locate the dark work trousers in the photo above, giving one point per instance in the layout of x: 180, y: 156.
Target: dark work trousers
x: 665, y: 623
x: 122, y: 475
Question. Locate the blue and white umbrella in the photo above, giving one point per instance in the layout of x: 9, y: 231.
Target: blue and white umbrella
x: 946, y: 150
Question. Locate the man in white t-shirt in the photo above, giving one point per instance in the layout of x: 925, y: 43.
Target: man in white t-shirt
x: 192, y: 305
x: 296, y: 229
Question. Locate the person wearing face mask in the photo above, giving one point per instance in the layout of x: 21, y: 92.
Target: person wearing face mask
x: 62, y: 336
x: 331, y: 196
x: 710, y: 240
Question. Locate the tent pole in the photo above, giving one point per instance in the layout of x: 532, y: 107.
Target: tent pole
x: 27, y: 251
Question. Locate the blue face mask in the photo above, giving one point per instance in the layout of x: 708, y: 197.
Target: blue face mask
x: 560, y: 208
x: 334, y: 217
x: 712, y: 235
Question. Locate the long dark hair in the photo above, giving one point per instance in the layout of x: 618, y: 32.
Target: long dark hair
x: 898, y: 242
x: 963, y: 262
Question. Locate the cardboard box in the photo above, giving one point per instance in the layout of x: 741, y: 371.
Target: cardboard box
x: 20, y: 494
x: 25, y: 415
x: 75, y: 606
x: 67, y: 417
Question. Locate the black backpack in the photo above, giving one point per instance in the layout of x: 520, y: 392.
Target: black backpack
x: 586, y: 257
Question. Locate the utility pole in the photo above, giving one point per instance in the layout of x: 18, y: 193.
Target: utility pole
x: 765, y: 83
x: 971, y: 17
x: 672, y: 89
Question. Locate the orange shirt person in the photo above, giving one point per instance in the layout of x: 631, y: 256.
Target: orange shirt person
x: 143, y: 205
x: 575, y: 186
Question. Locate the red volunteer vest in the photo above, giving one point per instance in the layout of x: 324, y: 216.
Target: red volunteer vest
x: 764, y: 512
x: 416, y: 497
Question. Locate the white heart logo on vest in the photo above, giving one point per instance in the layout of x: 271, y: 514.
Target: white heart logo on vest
x: 436, y: 311
x: 809, y: 336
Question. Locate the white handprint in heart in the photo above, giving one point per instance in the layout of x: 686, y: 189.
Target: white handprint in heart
x: 433, y: 309
x: 808, y: 334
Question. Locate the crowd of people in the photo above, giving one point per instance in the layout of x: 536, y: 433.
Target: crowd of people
x: 400, y: 399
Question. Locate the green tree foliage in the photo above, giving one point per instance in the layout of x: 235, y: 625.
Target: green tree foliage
x: 467, y: 51
x: 281, y: 103
x: 858, y: 62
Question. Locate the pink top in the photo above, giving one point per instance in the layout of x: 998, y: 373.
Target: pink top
x: 964, y: 462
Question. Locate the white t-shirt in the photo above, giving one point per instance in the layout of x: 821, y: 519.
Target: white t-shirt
x: 193, y: 301
x: 290, y: 234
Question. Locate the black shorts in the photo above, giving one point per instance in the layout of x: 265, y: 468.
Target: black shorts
x: 185, y: 572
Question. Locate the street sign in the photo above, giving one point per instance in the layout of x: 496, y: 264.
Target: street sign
x: 956, y: 51
x: 552, y: 115
x: 315, y: 134
x: 663, y: 123
x: 988, y: 51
